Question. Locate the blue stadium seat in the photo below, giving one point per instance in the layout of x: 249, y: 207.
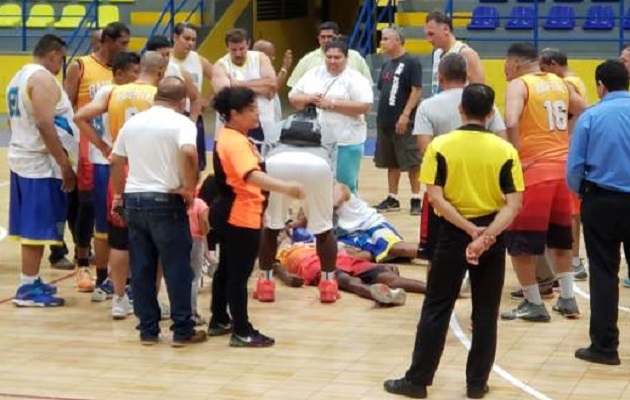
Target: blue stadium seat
x: 626, y: 20
x: 605, y: 1
x: 568, y: 1
x: 600, y: 18
x: 530, y: 1
x: 484, y: 17
x: 521, y: 18
x: 560, y: 18
x: 493, y: 1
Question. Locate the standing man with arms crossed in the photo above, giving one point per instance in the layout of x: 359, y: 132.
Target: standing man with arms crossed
x: 84, y: 78
x: 400, y: 84
x: 598, y: 169
x: 439, y: 32
x: 269, y: 50
x: 159, y: 146
x: 537, y: 107
x: 251, y: 69
x: 184, y: 56
x: 41, y: 152
x: 122, y: 103
x: 471, y: 239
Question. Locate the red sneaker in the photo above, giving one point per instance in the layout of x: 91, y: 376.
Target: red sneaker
x: 328, y: 291
x: 265, y: 291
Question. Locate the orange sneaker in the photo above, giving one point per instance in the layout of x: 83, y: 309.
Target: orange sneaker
x: 85, y: 283
x: 328, y: 291
x: 265, y: 290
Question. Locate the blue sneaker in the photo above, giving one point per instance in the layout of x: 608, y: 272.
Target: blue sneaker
x: 47, y: 288
x: 34, y: 295
x: 103, y: 291
x: 129, y: 293
x: 626, y: 283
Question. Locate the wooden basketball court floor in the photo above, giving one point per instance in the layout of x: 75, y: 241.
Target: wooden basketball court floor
x: 340, y: 351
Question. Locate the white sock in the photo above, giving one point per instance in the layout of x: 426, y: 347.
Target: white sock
x: 329, y: 276
x: 532, y: 294
x: 393, y: 196
x: 565, y: 279
x: 27, y: 280
x: 415, y: 196
x: 268, y: 274
x: 576, y: 261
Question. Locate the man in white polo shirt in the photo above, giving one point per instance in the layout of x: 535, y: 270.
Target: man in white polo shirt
x: 159, y: 145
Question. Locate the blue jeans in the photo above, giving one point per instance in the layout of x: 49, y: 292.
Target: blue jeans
x: 159, y: 229
x: 349, y: 165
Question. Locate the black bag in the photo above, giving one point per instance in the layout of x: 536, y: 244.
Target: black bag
x: 302, y: 129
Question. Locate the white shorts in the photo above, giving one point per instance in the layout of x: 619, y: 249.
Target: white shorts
x: 317, y: 177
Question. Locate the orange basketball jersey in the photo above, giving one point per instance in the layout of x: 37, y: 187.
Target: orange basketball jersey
x: 126, y: 101
x: 544, y: 128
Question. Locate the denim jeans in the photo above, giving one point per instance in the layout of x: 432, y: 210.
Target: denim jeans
x: 159, y: 229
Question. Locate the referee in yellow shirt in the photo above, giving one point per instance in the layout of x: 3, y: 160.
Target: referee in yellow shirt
x: 474, y: 180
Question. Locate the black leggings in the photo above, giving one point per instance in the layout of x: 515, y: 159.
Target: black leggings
x: 239, y: 249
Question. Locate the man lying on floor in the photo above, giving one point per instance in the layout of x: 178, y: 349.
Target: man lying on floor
x: 299, y: 265
x: 366, y: 233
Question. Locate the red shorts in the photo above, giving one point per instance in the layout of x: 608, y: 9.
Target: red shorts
x: 544, y: 220
x: 84, y: 175
x: 576, y: 203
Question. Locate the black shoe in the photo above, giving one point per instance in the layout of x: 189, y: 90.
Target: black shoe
x: 254, y: 339
x: 149, y: 340
x: 195, y: 337
x: 416, y: 207
x: 590, y: 355
x: 405, y: 387
x: 475, y: 392
x: 219, y: 329
x: 545, y: 293
x: 389, y: 204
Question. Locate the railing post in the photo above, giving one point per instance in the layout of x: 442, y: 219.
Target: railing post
x: 201, y: 10
x: 171, y: 21
x: 536, y: 24
x: 24, y: 42
x: 96, y: 22
x: 213, y: 10
x: 621, y: 22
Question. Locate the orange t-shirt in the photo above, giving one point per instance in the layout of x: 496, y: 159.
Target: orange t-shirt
x: 234, y: 158
x: 544, y: 128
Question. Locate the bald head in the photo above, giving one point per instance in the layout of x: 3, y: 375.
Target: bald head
x: 152, y: 63
x: 265, y: 47
x: 171, y: 90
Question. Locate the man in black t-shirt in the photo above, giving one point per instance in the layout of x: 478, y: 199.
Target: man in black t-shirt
x: 400, y: 85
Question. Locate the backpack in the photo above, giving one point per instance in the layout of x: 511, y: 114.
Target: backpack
x: 302, y: 129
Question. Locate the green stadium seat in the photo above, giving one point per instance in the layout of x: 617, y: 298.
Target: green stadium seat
x: 10, y: 15
x: 71, y: 16
x: 41, y: 16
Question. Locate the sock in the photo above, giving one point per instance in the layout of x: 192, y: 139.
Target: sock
x: 392, y: 195
x: 576, y: 261
x: 532, y: 294
x: 101, y: 275
x: 415, y: 196
x: 329, y: 276
x: 266, y: 274
x: 565, y: 280
x: 27, y: 280
x: 83, y: 262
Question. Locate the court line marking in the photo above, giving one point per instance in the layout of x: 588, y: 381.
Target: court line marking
x: 38, y: 397
x: 587, y: 296
x: 514, y: 381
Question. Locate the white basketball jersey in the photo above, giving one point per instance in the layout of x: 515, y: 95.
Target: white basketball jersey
x: 248, y: 71
x: 437, y: 56
x: 96, y: 157
x: 192, y: 65
x: 28, y: 156
x: 173, y: 69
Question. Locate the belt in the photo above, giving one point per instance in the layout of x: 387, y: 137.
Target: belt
x: 593, y: 188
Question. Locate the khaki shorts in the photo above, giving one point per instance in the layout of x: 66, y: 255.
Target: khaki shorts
x: 396, y: 151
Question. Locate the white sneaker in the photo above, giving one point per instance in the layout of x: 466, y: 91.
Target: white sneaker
x: 121, y: 307
x: 399, y: 297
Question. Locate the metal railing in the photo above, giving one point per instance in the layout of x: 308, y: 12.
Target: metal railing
x: 535, y: 36
x: 363, y: 37
x: 170, y: 10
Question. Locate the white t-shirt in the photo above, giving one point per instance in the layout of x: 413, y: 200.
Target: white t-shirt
x: 349, y: 85
x: 151, y: 141
x: 96, y: 157
x: 355, y: 215
x: 28, y: 155
x: 440, y: 114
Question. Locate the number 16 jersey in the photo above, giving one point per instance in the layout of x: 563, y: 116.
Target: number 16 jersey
x: 544, y: 128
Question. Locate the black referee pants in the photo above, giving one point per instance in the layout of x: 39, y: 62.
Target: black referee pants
x: 606, y: 225
x: 444, y: 283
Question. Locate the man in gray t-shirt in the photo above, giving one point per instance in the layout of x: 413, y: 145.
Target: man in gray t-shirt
x: 440, y: 113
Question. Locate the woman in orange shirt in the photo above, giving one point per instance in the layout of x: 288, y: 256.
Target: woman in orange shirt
x: 237, y: 214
